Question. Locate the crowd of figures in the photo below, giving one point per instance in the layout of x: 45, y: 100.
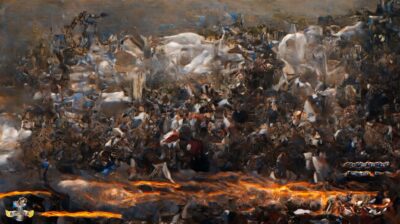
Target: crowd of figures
x: 292, y: 104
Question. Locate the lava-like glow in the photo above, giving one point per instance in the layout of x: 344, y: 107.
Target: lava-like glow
x: 156, y: 184
x: 16, y: 193
x: 82, y: 214
x: 247, y: 191
x: 307, y: 193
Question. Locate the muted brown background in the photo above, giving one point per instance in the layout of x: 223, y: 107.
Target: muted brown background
x: 23, y: 22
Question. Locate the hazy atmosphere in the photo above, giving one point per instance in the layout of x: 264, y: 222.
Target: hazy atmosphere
x: 199, y: 111
x: 22, y: 22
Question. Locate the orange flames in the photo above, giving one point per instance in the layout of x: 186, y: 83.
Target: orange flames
x: 83, y: 214
x: 306, y: 193
x: 245, y: 189
x: 15, y: 193
x: 248, y: 192
x: 156, y: 184
x: 209, y: 190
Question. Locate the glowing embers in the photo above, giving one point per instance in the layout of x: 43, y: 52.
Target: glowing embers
x: 20, y: 213
x: 248, y: 192
x: 16, y: 193
x: 82, y: 214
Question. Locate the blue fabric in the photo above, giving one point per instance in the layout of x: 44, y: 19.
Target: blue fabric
x: 350, y: 148
x: 77, y: 96
x: 14, y: 205
x: 88, y: 104
x: 202, y: 21
x: 253, y: 56
x: 110, y: 167
x: 45, y: 164
x: 234, y: 16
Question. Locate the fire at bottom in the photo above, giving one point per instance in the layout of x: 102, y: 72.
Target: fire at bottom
x: 16, y: 193
x: 20, y: 213
x: 249, y: 192
x: 82, y: 214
